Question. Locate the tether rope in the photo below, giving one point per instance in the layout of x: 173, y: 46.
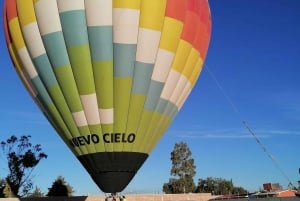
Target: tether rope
x: 237, y: 112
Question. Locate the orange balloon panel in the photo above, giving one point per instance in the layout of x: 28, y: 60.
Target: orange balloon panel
x: 110, y: 75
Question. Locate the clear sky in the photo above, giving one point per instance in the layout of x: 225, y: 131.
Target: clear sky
x: 254, y: 55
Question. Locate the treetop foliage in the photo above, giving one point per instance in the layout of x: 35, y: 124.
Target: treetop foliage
x: 182, y: 161
x: 218, y: 186
x: 60, y: 188
x: 37, y: 193
x: 22, y: 157
x: 183, y: 170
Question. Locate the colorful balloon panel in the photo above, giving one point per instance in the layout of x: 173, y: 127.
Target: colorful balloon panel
x: 110, y: 75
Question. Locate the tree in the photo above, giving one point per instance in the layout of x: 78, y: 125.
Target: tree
x: 2, y: 186
x: 172, y: 186
x: 7, y: 191
x: 60, y: 188
x: 183, y: 170
x: 22, y: 158
x: 37, y: 193
x: 238, y: 190
x: 218, y: 186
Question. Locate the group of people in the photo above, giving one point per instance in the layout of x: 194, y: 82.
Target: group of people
x: 114, y: 197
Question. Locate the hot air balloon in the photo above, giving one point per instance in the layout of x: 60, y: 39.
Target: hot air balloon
x: 109, y: 75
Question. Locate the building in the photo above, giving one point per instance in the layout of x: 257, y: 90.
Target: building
x: 274, y: 190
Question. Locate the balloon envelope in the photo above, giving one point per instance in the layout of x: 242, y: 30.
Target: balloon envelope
x: 109, y: 75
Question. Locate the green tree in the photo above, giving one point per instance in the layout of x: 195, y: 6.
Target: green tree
x: 22, y: 157
x: 2, y: 186
x: 206, y: 185
x: 37, y: 193
x: 238, y: 190
x: 7, y: 191
x: 60, y: 188
x: 218, y: 186
x: 183, y: 170
x: 172, y: 186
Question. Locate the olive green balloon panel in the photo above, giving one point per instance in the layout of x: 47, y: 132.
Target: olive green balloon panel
x: 109, y: 75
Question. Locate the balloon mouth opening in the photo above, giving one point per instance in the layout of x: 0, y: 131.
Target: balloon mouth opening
x: 113, y: 182
x: 112, y: 171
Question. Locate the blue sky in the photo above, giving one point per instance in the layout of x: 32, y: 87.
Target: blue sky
x: 254, y: 55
